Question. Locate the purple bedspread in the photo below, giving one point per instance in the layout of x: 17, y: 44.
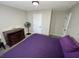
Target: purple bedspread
x: 36, y: 46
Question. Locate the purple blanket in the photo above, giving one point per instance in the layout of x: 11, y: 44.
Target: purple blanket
x: 36, y: 46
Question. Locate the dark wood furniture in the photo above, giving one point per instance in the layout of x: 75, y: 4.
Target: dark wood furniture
x: 14, y: 36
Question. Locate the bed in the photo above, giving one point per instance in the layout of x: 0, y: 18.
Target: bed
x: 36, y: 46
x: 42, y: 46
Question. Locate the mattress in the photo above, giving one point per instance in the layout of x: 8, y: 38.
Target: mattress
x: 36, y: 46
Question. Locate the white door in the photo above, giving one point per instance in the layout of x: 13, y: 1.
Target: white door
x: 37, y: 23
x: 66, y: 24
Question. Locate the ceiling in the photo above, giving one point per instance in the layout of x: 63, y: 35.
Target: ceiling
x: 27, y: 5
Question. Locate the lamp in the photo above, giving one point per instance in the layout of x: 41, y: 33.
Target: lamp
x: 35, y: 3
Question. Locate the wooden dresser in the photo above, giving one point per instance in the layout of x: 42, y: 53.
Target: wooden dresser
x: 14, y: 36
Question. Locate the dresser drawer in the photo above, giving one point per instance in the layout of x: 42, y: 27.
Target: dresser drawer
x: 14, y: 36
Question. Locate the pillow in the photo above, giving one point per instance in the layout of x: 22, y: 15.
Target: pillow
x: 68, y: 44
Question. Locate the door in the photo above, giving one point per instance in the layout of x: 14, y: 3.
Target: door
x: 66, y: 24
x: 37, y: 23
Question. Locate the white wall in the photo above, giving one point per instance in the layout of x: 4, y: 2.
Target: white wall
x: 46, y: 21
x: 73, y: 29
x: 10, y: 18
x: 46, y: 16
x: 57, y: 23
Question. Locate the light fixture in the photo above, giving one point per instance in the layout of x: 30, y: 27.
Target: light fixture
x: 35, y: 3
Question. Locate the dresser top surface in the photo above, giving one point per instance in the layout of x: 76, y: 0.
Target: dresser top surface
x: 13, y: 30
